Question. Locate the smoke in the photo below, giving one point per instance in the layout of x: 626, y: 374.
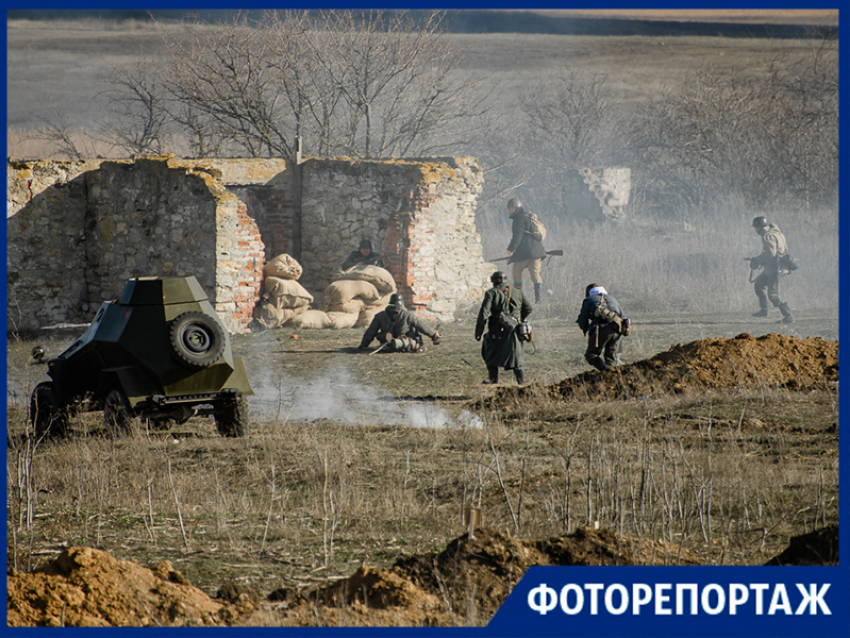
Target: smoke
x: 335, y: 397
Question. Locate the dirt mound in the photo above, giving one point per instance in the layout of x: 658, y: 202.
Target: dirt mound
x: 471, y: 578
x: 815, y: 548
x: 462, y: 585
x: 86, y: 587
x: 772, y: 360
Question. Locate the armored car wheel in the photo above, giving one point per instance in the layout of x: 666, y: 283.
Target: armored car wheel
x: 118, y: 413
x: 232, y: 418
x: 47, y: 415
x: 196, y: 339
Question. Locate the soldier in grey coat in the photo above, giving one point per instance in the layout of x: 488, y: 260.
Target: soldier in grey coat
x: 502, y: 347
x: 398, y: 329
x: 602, y: 321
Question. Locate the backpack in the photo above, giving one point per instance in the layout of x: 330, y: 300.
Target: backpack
x: 538, y: 230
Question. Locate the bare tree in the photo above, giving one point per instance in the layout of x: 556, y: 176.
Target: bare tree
x: 57, y: 131
x: 773, y: 142
x: 358, y: 83
x: 399, y: 84
x: 138, y: 102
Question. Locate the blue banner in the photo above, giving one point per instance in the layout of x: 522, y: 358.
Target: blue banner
x: 775, y: 602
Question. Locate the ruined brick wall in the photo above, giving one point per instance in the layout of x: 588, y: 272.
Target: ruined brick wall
x: 78, y: 230
x: 46, y: 250
x: 419, y: 214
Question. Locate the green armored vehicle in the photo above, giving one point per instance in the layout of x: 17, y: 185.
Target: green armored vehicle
x: 158, y: 352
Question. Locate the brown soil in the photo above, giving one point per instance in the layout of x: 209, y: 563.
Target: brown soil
x: 773, y: 360
x: 462, y: 585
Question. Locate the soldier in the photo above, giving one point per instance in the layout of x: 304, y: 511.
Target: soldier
x: 363, y: 256
x: 602, y: 321
x: 398, y: 329
x: 766, y: 285
x: 525, y: 249
x: 502, y: 347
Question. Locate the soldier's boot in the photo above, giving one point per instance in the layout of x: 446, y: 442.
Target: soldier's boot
x: 537, y: 290
x: 762, y: 307
x: 493, y: 374
x: 519, y: 373
x: 787, y: 317
x: 596, y: 361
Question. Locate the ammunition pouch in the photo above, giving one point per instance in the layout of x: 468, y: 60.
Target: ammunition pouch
x: 501, y: 325
x: 789, y: 263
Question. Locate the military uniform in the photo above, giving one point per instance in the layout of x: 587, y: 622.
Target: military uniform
x: 357, y: 257
x: 405, y: 327
x: 766, y: 285
x: 501, y: 348
x: 526, y: 250
x: 603, y: 336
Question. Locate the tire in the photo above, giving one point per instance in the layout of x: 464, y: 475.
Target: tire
x: 232, y: 418
x: 47, y: 415
x: 197, y: 340
x: 118, y: 414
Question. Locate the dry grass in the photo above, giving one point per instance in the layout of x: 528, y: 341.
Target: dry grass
x: 729, y: 476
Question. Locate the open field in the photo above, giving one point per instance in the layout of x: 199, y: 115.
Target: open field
x: 356, y: 469
x: 353, y: 459
x: 67, y: 64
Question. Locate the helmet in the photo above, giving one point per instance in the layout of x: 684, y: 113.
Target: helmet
x: 366, y: 244
x: 759, y: 222
x: 498, y: 277
x: 514, y: 203
x: 396, y: 299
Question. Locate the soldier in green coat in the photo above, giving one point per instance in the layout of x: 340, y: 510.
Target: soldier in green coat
x: 502, y: 347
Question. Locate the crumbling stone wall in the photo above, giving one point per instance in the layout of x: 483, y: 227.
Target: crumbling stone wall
x: 419, y: 214
x: 78, y: 230
x: 599, y: 194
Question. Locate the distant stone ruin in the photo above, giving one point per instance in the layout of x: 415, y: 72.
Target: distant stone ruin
x: 599, y: 194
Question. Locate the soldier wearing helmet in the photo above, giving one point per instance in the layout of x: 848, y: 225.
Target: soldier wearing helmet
x: 501, y: 346
x: 526, y: 250
x: 364, y: 255
x: 766, y: 284
x: 397, y: 329
x: 602, y: 322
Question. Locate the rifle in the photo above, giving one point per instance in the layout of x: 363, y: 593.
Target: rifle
x: 557, y: 253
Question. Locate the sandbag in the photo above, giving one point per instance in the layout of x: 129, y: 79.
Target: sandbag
x: 286, y: 293
x: 377, y: 276
x: 340, y: 320
x: 352, y: 307
x: 366, y: 315
x: 270, y: 316
x: 347, y: 289
x: 311, y: 319
x: 283, y: 266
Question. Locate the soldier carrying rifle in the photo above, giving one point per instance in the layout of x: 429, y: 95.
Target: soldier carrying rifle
x: 775, y: 261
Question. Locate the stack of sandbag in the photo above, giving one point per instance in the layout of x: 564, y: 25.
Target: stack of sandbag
x: 356, y: 295
x: 282, y: 298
